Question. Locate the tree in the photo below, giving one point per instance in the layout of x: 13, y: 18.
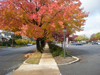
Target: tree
x: 73, y: 37
x: 97, y: 35
x: 17, y: 36
x: 81, y: 38
x: 93, y: 38
x: 59, y: 36
x: 38, y: 18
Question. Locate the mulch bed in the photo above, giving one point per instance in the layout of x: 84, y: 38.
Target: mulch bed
x: 61, y: 60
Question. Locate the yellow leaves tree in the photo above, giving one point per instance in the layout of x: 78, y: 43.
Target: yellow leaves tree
x: 38, y: 18
x: 81, y: 38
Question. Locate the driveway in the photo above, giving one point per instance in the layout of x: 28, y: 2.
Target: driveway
x: 90, y: 63
x: 12, y: 58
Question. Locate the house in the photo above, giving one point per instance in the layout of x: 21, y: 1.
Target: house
x: 5, y: 36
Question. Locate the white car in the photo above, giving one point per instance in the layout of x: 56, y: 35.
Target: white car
x: 98, y: 43
x: 29, y: 44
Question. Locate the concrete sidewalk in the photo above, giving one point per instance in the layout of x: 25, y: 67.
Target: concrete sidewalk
x: 47, y: 66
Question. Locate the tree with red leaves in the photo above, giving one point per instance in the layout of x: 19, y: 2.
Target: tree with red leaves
x: 38, y: 18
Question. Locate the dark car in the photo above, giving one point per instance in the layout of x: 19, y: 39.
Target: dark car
x: 75, y: 43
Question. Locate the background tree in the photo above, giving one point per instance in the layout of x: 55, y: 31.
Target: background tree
x: 17, y: 36
x: 38, y: 18
x: 81, y: 38
x: 97, y: 35
x: 85, y: 38
x: 59, y: 36
x: 93, y: 38
x: 73, y: 37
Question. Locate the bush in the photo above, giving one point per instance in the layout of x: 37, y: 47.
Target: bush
x: 54, y: 54
x: 33, y: 42
x: 6, y: 43
x: 18, y: 41
x: 62, y: 53
x: 10, y: 41
x: 24, y: 42
x: 55, y: 50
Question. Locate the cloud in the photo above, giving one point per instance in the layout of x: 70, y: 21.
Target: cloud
x: 92, y: 6
x: 92, y: 24
x: 89, y: 32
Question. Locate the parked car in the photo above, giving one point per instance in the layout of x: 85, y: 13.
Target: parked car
x: 96, y: 42
x: 75, y: 43
x: 29, y: 44
x: 83, y: 42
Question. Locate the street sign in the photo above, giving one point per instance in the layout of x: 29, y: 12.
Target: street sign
x: 67, y: 41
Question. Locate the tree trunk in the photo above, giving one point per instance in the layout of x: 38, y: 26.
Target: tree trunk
x: 43, y: 43
x: 40, y: 44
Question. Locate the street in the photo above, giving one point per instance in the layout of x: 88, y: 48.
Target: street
x: 89, y: 63
x: 12, y: 58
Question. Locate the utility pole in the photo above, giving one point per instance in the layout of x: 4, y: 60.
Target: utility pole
x: 12, y: 40
x: 64, y: 31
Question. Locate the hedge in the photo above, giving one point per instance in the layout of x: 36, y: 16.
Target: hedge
x: 56, y: 50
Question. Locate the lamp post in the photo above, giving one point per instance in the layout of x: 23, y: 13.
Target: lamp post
x: 64, y: 31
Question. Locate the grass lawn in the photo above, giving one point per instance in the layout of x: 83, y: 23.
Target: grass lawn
x: 1, y: 49
x: 35, y: 58
x: 4, y: 46
x: 19, y: 45
x: 13, y: 46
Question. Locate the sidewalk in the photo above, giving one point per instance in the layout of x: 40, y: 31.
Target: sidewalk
x: 47, y: 66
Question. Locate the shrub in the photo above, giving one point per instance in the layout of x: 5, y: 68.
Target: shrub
x: 55, y: 50
x: 18, y: 41
x: 62, y: 53
x: 24, y: 42
x: 6, y: 43
x: 54, y: 54
x: 13, y: 41
x: 33, y: 42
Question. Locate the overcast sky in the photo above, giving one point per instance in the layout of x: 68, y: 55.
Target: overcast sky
x: 92, y: 24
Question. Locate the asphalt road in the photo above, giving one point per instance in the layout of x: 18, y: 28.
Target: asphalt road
x: 12, y: 58
x: 90, y: 63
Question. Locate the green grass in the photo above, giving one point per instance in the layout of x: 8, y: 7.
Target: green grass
x: 4, y: 46
x: 13, y: 46
x: 19, y: 45
x: 1, y: 49
x: 35, y: 58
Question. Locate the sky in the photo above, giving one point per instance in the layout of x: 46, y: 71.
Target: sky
x: 92, y: 24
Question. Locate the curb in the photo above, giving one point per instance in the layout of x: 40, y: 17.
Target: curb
x: 77, y: 59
